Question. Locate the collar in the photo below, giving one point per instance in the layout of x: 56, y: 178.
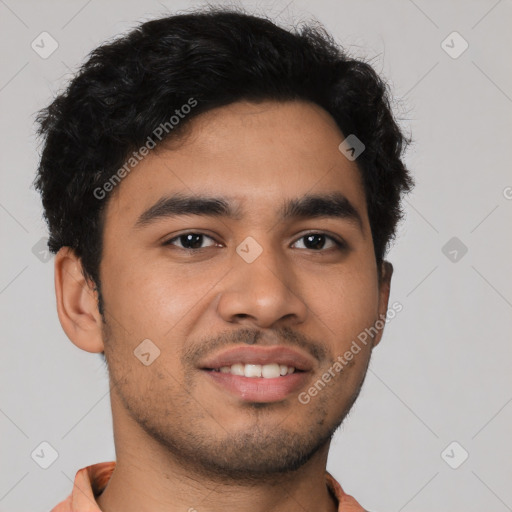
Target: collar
x: 92, y: 480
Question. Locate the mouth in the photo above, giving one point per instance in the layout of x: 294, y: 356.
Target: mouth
x: 259, y: 374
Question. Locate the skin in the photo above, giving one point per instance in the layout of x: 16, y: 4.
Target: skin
x: 182, y: 442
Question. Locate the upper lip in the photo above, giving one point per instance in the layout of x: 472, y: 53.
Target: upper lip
x: 259, y: 355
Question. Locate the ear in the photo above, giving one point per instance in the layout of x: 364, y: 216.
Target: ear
x: 384, y: 289
x: 77, y: 302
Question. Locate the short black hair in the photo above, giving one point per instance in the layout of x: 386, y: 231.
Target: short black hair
x: 207, y: 58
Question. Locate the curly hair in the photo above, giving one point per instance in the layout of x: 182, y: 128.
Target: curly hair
x: 131, y: 85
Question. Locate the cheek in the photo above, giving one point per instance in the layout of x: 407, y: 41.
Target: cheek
x: 346, y: 302
x: 137, y: 303
x: 153, y: 300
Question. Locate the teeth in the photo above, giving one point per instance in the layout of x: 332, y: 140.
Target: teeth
x: 237, y: 369
x: 252, y: 370
x: 270, y: 371
x: 267, y: 371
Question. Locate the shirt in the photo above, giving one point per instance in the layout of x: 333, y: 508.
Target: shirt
x: 92, y: 480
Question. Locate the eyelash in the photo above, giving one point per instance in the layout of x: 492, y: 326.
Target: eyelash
x: 338, y: 243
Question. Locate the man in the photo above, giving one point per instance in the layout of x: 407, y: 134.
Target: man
x: 220, y: 195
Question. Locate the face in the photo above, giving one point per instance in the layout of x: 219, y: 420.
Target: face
x: 273, y: 269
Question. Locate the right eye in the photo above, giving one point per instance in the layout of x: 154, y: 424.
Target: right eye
x: 190, y: 241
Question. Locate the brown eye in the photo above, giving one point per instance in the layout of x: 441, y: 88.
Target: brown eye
x: 319, y: 241
x: 190, y: 241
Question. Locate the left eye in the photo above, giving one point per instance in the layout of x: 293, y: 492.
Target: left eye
x: 317, y: 241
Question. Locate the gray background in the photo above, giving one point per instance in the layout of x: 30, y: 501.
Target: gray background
x: 442, y: 372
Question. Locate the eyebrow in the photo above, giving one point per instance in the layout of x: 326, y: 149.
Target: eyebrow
x: 334, y: 205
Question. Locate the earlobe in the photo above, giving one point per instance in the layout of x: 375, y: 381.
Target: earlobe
x: 77, y: 304
x: 384, y: 290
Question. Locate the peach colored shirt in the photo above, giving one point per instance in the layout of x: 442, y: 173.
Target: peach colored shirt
x: 92, y: 480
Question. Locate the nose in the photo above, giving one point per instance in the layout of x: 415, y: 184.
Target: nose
x: 263, y: 293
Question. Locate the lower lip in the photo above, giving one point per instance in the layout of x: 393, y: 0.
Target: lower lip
x: 259, y: 389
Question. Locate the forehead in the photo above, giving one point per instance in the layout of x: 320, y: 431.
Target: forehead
x: 258, y: 154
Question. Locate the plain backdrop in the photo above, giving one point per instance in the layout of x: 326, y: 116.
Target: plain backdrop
x: 439, y: 388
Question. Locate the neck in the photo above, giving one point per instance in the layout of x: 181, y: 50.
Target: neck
x: 148, y: 477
